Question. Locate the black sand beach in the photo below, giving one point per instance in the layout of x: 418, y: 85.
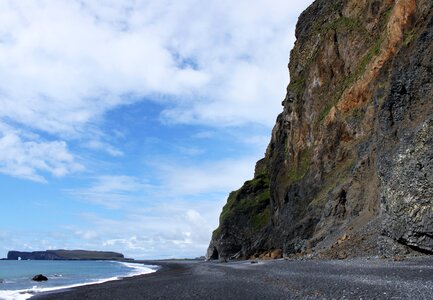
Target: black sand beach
x: 312, y: 279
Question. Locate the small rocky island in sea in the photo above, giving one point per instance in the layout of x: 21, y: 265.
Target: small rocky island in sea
x: 65, y: 255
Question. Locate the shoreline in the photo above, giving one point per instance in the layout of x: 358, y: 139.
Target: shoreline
x: 31, y: 293
x: 365, y: 278
x: 160, y: 266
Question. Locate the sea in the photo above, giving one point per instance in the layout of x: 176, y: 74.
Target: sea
x: 16, y: 275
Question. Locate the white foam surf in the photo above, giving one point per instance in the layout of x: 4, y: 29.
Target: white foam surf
x: 24, y: 294
x: 139, y: 269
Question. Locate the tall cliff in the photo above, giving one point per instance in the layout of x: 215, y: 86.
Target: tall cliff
x: 349, y: 168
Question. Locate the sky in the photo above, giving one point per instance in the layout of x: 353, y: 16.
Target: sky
x: 125, y: 124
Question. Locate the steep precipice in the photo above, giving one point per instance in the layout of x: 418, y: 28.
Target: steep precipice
x: 349, y: 167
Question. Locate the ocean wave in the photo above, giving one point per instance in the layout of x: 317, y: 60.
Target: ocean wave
x: 23, y: 294
x: 27, y: 293
x: 14, y: 295
x: 139, y: 269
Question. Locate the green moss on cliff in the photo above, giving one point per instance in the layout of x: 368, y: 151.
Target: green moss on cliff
x: 247, y: 205
x: 297, y: 86
x: 371, y: 53
x: 408, y: 37
x: 299, y: 170
x: 339, y: 175
x: 228, y: 208
x: 216, y: 232
x: 346, y: 24
x: 326, y: 111
x: 262, y: 219
x: 251, y: 201
x: 349, y: 80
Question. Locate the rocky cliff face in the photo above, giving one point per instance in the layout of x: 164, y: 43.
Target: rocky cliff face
x: 349, y: 168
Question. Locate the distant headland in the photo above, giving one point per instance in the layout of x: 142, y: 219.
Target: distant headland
x: 65, y: 255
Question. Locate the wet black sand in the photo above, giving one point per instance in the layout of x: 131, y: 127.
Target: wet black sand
x: 313, y: 279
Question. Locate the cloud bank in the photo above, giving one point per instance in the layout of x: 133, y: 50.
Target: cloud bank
x: 66, y: 64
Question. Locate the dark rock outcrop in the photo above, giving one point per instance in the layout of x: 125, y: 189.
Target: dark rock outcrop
x: 39, y: 278
x: 65, y: 255
x: 348, y: 171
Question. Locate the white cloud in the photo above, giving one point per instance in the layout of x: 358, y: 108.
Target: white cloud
x: 110, y: 191
x: 173, y: 217
x: 86, y: 234
x: 75, y: 66
x: 190, y: 151
x: 103, y: 146
x: 167, y: 181
x: 219, y: 176
x: 159, y: 231
x: 64, y: 64
x: 207, y: 177
x: 26, y: 157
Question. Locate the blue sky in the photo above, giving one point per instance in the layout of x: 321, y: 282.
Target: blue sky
x: 125, y: 124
